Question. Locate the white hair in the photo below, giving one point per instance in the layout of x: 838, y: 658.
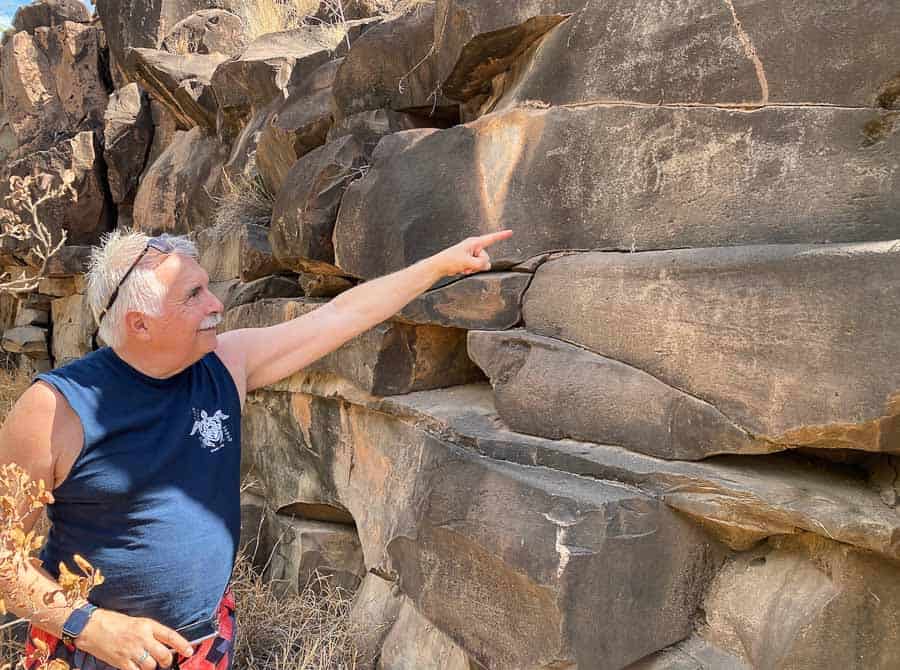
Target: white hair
x: 142, y: 291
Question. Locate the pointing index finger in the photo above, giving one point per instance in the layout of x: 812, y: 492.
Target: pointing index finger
x: 491, y: 238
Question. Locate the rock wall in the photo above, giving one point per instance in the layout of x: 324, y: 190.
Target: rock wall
x: 663, y: 433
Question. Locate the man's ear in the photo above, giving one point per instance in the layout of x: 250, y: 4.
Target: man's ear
x: 136, y: 325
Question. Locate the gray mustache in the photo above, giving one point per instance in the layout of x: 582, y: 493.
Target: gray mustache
x: 211, y: 321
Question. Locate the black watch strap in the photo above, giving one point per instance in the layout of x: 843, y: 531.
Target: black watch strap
x: 76, y: 622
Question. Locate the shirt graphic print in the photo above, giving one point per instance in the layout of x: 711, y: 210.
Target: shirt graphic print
x: 210, y: 429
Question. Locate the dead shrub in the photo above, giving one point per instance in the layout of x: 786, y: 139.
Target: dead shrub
x: 243, y: 200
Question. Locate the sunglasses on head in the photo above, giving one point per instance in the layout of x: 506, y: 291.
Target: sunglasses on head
x: 162, y: 245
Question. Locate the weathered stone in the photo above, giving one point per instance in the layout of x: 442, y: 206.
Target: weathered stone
x: 51, y: 13
x: 297, y: 126
x: 176, y: 192
x: 323, y: 286
x: 717, y: 53
x: 695, y: 653
x: 28, y: 340
x: 807, y: 603
x: 61, y: 287
x: 142, y: 23
x: 180, y: 82
x: 9, y: 306
x: 73, y: 325
x: 489, y: 301
x: 207, y: 31
x: 164, y: 129
x: 374, y: 612
x: 884, y: 477
x: 369, y: 127
x: 276, y: 453
x: 127, y: 133
x: 236, y: 252
x: 306, y: 206
x: 268, y: 65
x: 725, y: 331
x: 84, y: 217
x: 477, y: 40
x: 621, y: 178
x: 52, y: 84
x: 428, y: 512
x: 263, y: 289
x: 253, y: 518
x: 303, y: 550
x: 242, y: 163
x: 414, y: 643
x: 553, y: 389
x: 8, y: 141
x: 742, y: 500
x: 405, y: 79
x: 389, y: 359
x: 70, y: 260
x: 30, y: 316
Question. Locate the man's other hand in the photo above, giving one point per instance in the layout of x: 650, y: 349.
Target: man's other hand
x: 469, y: 256
x: 121, y: 640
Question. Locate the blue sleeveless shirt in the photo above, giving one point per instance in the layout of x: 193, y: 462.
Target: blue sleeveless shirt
x: 153, y: 497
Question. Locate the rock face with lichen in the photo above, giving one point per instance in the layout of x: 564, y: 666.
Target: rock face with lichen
x: 663, y: 433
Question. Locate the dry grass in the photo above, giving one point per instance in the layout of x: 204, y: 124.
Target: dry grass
x: 261, y: 17
x: 311, y: 631
x: 243, y: 200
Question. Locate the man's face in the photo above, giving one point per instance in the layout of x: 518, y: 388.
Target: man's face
x: 186, y: 328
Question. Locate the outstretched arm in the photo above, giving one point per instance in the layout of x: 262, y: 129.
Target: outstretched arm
x: 263, y: 356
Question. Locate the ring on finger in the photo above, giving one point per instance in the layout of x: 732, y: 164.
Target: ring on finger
x: 143, y: 657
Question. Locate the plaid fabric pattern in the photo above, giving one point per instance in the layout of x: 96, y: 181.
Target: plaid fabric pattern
x: 213, y: 654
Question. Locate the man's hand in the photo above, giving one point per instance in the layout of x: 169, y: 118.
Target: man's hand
x: 469, y: 256
x: 121, y: 640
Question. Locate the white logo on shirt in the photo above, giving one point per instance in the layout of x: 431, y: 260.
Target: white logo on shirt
x: 212, y: 433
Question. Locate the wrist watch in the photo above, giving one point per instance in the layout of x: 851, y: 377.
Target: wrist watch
x: 76, y: 622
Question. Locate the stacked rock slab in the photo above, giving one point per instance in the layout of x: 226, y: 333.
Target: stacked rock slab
x: 661, y: 434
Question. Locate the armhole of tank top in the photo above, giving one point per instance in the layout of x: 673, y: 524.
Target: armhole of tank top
x: 227, y: 372
x: 52, y: 384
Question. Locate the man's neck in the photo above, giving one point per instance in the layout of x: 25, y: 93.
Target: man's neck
x: 152, y: 366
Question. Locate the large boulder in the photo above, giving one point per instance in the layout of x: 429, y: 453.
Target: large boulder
x: 86, y: 215
x: 404, y: 79
x: 807, y: 603
x: 142, y: 23
x: 267, y: 67
x: 414, y: 643
x: 296, y: 126
x: 487, y: 301
x: 236, y: 252
x: 180, y: 82
x: 554, y: 389
x: 529, y: 540
x: 475, y: 40
x: 52, y: 83
x: 621, y: 178
x: 714, y: 53
x: 50, y: 13
x: 127, y: 134
x: 205, y: 32
x: 176, y: 192
x: 306, y: 207
x: 389, y: 359
x: 725, y: 324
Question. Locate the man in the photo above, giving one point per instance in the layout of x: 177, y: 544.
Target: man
x: 141, y: 441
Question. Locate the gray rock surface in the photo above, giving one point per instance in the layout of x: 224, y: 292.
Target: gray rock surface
x: 236, y: 252
x: 306, y: 207
x: 726, y: 325
x: 207, y: 31
x: 176, y: 192
x: 50, y: 13
x: 635, y: 178
x: 486, y: 301
x: 553, y: 389
x: 127, y: 133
